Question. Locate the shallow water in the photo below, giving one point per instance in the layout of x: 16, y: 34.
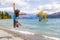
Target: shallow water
x: 50, y: 28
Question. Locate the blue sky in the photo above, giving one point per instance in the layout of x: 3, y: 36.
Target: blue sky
x: 31, y: 6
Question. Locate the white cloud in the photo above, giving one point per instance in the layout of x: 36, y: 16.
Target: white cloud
x: 50, y: 8
x: 33, y: 11
x: 10, y: 2
x: 6, y: 9
x: 55, y: 1
x: 19, y: 3
x: 11, y: 9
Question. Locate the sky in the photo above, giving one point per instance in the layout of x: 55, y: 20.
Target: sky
x: 31, y: 6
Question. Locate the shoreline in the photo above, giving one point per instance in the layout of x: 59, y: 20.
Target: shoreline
x: 26, y: 35
x: 7, y: 36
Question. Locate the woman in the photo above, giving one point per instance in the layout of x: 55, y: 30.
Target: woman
x: 16, y: 14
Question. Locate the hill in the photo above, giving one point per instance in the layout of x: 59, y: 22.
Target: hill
x: 54, y: 15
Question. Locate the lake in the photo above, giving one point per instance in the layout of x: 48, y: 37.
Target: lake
x: 50, y: 28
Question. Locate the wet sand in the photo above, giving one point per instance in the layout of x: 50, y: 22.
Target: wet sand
x: 19, y: 35
x: 6, y: 36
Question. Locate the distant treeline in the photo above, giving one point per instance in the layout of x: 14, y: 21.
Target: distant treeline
x: 5, y: 15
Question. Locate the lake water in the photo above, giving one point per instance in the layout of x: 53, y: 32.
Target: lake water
x: 50, y: 28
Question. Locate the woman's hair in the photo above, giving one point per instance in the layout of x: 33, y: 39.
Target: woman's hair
x: 17, y: 10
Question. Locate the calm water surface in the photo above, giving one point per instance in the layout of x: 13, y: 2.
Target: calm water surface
x: 51, y: 28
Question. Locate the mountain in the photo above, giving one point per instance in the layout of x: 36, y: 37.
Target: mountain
x: 54, y: 15
x: 28, y: 16
x: 24, y: 15
x: 32, y: 16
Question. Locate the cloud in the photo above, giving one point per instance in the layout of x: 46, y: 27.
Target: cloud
x: 30, y: 11
x: 27, y: 7
x: 20, y: 4
x: 50, y: 8
x: 10, y: 2
x: 11, y: 9
x: 55, y: 1
x: 6, y: 9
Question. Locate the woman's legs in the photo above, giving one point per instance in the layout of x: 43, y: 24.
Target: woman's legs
x: 14, y: 23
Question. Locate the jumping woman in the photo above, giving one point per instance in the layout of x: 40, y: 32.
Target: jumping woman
x: 16, y: 14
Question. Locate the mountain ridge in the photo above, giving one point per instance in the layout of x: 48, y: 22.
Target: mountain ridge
x: 54, y: 15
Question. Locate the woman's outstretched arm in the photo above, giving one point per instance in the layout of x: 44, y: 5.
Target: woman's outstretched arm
x: 14, y: 7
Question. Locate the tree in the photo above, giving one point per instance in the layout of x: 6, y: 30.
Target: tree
x: 5, y: 15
